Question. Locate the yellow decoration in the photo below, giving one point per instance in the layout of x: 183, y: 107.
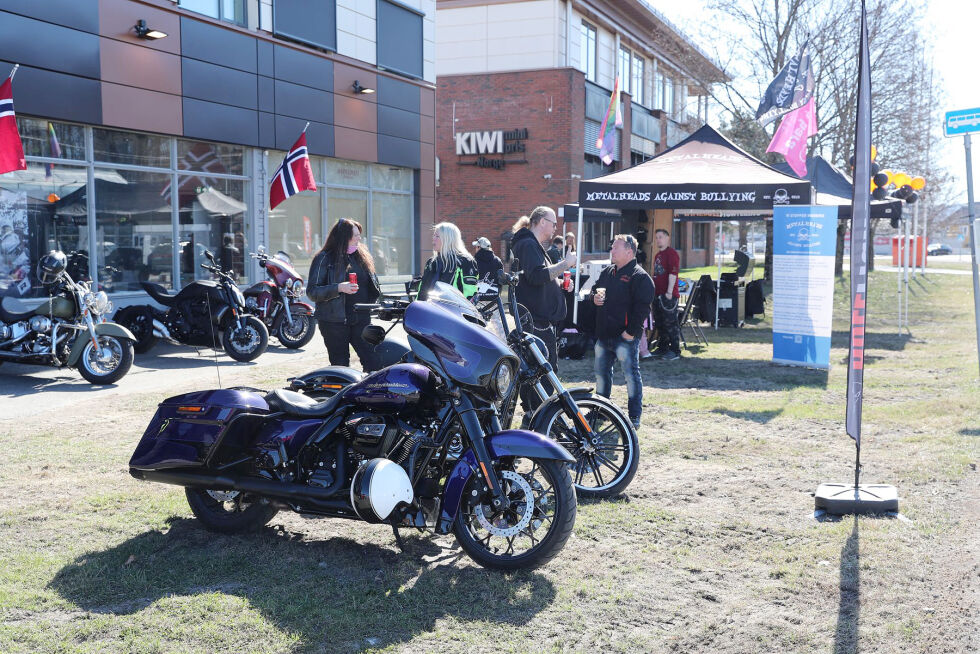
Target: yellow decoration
x: 874, y: 152
x: 891, y: 176
x: 901, y: 179
x: 918, y: 183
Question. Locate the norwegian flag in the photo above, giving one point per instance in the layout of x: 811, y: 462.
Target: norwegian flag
x: 11, y: 148
x: 294, y: 175
x: 203, y: 158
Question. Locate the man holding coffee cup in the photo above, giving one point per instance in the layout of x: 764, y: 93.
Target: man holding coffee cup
x: 623, y: 294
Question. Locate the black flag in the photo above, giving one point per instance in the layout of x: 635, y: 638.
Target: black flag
x: 792, y: 88
x: 860, y: 213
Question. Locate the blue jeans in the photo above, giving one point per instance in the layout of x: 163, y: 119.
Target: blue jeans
x: 628, y: 353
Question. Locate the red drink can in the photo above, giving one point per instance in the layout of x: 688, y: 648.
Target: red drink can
x: 567, y: 281
x: 352, y: 278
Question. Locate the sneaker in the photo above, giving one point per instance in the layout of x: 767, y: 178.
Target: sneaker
x: 636, y: 424
x: 671, y: 356
x: 657, y: 354
x: 648, y: 355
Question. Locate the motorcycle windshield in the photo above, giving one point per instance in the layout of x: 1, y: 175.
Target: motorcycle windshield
x: 440, y: 334
x: 450, y: 297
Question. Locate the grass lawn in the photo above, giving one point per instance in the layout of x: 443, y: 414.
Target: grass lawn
x: 713, y: 548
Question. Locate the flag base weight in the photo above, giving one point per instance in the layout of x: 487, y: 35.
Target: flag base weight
x: 847, y: 499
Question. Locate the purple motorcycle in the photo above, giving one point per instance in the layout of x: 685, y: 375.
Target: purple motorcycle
x: 378, y: 450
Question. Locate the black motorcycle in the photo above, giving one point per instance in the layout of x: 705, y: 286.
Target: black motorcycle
x: 377, y: 451
x: 203, y: 313
x: 591, y: 427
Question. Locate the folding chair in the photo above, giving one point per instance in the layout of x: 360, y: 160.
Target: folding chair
x: 686, y: 316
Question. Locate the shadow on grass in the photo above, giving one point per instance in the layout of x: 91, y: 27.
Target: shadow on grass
x: 849, y: 609
x: 970, y: 432
x: 890, y: 341
x: 336, y: 594
x: 761, y: 417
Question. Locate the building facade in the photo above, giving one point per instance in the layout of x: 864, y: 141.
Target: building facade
x: 522, y: 89
x: 144, y: 152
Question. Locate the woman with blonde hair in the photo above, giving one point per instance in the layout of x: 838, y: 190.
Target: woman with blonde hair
x: 450, y: 262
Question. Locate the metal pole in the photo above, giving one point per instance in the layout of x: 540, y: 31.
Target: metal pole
x: 973, y: 239
x: 578, y: 267
x: 915, y: 236
x: 908, y: 262
x: 925, y: 237
x: 899, y: 278
x: 718, y: 285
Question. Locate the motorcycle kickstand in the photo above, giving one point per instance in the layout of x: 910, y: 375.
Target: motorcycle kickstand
x: 398, y: 539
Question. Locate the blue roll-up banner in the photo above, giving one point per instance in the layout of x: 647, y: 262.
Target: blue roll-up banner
x: 804, y: 245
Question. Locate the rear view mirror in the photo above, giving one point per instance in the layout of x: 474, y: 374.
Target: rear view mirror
x: 210, y: 256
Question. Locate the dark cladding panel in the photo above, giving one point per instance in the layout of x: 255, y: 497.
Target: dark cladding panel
x: 267, y: 130
x: 399, y: 35
x: 398, y: 94
x: 43, y: 45
x: 313, y: 23
x: 396, y: 122
x: 217, y: 45
x: 398, y: 152
x: 220, y: 122
x: 319, y: 137
x: 303, y: 102
x: 303, y: 68
x: 219, y: 84
x: 267, y: 94
x: 44, y: 93
x: 266, y: 63
x: 77, y: 14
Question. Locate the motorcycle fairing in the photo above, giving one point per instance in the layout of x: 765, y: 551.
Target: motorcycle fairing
x: 510, y: 442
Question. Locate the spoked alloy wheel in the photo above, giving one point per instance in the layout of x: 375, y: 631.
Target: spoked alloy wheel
x: 228, y: 512
x: 247, y: 342
x: 107, y: 363
x: 534, y: 525
x: 606, y: 465
x: 298, y: 334
x: 138, y: 320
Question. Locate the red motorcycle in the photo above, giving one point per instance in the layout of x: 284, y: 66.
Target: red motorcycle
x: 276, y: 301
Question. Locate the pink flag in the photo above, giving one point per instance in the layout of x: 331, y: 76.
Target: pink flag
x: 790, y: 139
x: 607, y: 133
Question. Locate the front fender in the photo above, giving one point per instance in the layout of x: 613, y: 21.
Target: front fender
x: 300, y: 309
x: 510, y: 442
x: 538, y: 417
x: 107, y: 328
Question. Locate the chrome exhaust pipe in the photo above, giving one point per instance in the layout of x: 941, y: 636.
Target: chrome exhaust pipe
x: 160, y: 331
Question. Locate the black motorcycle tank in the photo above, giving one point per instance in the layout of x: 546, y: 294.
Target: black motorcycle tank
x: 404, y: 387
x: 468, y: 353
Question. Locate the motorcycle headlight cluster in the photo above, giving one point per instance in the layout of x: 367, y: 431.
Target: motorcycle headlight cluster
x: 98, y: 303
x: 239, y: 296
x: 502, y: 379
x: 297, y: 288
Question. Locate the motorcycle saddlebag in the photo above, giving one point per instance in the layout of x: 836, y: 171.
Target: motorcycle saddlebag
x: 187, y: 430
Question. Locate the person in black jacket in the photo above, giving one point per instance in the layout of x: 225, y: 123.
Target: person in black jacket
x: 450, y: 262
x: 487, y: 263
x: 623, y: 294
x: 335, y: 295
x: 539, y: 290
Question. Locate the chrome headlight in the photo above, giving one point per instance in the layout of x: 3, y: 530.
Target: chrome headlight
x: 297, y: 288
x: 101, y: 304
x: 502, y: 379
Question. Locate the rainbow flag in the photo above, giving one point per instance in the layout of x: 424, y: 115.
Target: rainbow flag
x: 55, y: 148
x: 607, y: 133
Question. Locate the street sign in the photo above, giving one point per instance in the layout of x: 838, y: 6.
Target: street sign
x: 963, y: 121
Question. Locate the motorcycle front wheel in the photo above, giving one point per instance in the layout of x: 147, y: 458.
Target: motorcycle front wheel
x: 227, y: 512
x: 107, y: 363
x: 247, y: 342
x: 531, y: 529
x: 606, y: 466
x: 298, y: 334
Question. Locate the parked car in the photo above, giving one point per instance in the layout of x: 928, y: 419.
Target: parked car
x: 937, y: 249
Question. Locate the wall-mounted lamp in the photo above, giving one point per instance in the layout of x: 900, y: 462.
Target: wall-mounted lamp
x: 547, y: 176
x: 574, y: 176
x: 361, y: 89
x: 145, y: 32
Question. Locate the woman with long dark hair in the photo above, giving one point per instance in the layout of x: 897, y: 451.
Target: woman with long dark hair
x: 335, y: 293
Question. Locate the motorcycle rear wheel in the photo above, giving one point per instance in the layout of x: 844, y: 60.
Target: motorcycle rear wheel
x: 225, y: 511
x: 302, y: 332
x: 139, y: 320
x: 247, y: 343
x: 617, y: 453
x: 540, y: 516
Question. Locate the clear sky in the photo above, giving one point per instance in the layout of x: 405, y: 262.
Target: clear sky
x: 954, y: 30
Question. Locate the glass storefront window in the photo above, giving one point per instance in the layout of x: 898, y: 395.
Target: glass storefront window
x: 345, y: 203
x: 41, y: 212
x: 133, y: 229
x: 345, y: 173
x: 68, y: 141
x: 212, y: 218
x: 392, y: 232
x: 391, y: 178
x: 131, y: 148
x: 295, y: 228
x: 217, y: 158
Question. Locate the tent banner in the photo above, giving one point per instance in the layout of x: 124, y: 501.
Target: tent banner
x: 804, y: 246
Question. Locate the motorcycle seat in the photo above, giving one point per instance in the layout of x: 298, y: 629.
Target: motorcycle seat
x: 158, y: 293
x: 297, y: 404
x: 10, y: 316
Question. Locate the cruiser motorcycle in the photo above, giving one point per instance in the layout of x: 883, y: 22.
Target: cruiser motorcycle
x: 276, y: 301
x: 197, y: 315
x: 593, y: 429
x: 377, y: 451
x: 68, y: 329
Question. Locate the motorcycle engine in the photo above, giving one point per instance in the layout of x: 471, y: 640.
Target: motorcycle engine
x: 14, y: 331
x: 40, y: 324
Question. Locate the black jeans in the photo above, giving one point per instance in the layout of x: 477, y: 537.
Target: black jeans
x: 668, y: 332
x: 546, y: 332
x: 339, y: 337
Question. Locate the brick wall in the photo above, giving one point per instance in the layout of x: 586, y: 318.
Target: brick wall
x: 550, y: 104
